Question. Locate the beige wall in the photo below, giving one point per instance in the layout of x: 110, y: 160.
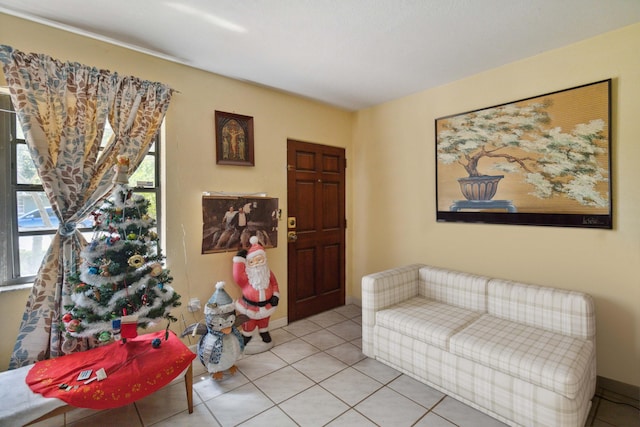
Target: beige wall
x: 391, y: 179
x: 190, y: 157
x: 394, y: 197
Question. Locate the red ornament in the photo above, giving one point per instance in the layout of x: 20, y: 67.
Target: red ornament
x: 67, y: 318
x: 73, y: 325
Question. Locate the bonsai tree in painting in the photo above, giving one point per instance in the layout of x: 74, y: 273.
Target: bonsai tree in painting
x: 519, y: 139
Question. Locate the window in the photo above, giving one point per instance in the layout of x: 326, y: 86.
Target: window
x: 27, y: 222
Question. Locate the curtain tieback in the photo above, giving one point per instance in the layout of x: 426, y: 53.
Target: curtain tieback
x: 67, y: 229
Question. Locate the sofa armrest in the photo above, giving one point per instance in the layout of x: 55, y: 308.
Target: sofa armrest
x: 382, y: 290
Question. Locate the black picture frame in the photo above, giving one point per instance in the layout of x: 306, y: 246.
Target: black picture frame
x: 543, y: 160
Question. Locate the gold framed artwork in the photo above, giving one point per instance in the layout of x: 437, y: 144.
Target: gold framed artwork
x: 234, y: 139
x: 544, y: 160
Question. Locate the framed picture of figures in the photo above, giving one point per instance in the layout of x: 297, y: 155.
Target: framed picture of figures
x: 228, y: 222
x: 234, y: 139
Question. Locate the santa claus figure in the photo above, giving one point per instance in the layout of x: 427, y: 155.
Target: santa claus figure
x: 260, y: 294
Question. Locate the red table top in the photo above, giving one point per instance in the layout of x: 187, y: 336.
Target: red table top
x: 134, y: 370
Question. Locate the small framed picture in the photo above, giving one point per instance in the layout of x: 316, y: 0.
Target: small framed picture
x: 234, y: 139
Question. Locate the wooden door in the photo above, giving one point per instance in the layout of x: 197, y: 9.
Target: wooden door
x: 315, y: 228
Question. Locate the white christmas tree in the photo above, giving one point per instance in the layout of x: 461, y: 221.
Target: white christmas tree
x: 121, y: 276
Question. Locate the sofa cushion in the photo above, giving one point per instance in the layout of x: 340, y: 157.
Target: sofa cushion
x: 544, y: 358
x: 429, y: 321
x: 557, y: 310
x: 454, y: 287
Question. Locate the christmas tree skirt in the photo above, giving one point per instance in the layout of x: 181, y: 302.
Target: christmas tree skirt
x: 133, y: 370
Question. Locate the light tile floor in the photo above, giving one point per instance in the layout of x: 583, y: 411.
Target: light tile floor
x: 316, y: 375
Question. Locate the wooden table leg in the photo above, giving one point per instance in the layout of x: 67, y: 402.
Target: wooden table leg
x: 188, y: 382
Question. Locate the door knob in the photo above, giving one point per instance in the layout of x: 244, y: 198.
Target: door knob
x: 292, y: 236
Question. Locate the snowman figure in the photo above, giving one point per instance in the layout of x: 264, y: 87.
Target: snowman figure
x: 221, y: 343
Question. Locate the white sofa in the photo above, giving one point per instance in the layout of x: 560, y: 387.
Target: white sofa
x: 522, y: 354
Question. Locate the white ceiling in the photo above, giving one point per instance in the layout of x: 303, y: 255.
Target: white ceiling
x: 348, y: 53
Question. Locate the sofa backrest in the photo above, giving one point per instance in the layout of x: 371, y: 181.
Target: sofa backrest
x: 455, y: 288
x: 567, y: 312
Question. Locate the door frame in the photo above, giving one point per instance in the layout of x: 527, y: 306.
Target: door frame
x: 329, y: 172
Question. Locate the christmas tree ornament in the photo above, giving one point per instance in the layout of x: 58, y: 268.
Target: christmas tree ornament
x: 136, y: 261
x: 73, y: 325
x: 119, y: 278
x: 156, y: 269
x: 122, y: 170
x: 221, y: 343
x: 129, y: 326
x: 104, y: 268
x: 104, y: 337
x: 115, y: 325
x: 69, y: 345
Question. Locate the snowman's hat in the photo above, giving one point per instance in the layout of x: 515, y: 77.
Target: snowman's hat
x: 220, y: 302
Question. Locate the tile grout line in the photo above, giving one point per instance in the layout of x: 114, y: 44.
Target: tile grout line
x: 305, y: 330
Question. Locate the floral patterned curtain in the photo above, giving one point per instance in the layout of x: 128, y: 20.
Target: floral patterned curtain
x: 63, y: 107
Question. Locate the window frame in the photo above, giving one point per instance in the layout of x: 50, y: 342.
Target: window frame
x: 6, y: 239
x: 10, y: 235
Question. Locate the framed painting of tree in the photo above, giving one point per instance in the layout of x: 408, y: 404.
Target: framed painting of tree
x: 544, y: 160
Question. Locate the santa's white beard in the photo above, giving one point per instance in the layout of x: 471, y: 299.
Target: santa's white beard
x: 259, y: 276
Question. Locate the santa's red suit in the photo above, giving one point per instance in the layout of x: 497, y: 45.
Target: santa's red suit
x: 260, y: 293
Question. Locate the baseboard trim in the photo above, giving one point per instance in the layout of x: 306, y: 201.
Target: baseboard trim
x: 278, y: 323
x: 354, y: 300
x: 627, y: 390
